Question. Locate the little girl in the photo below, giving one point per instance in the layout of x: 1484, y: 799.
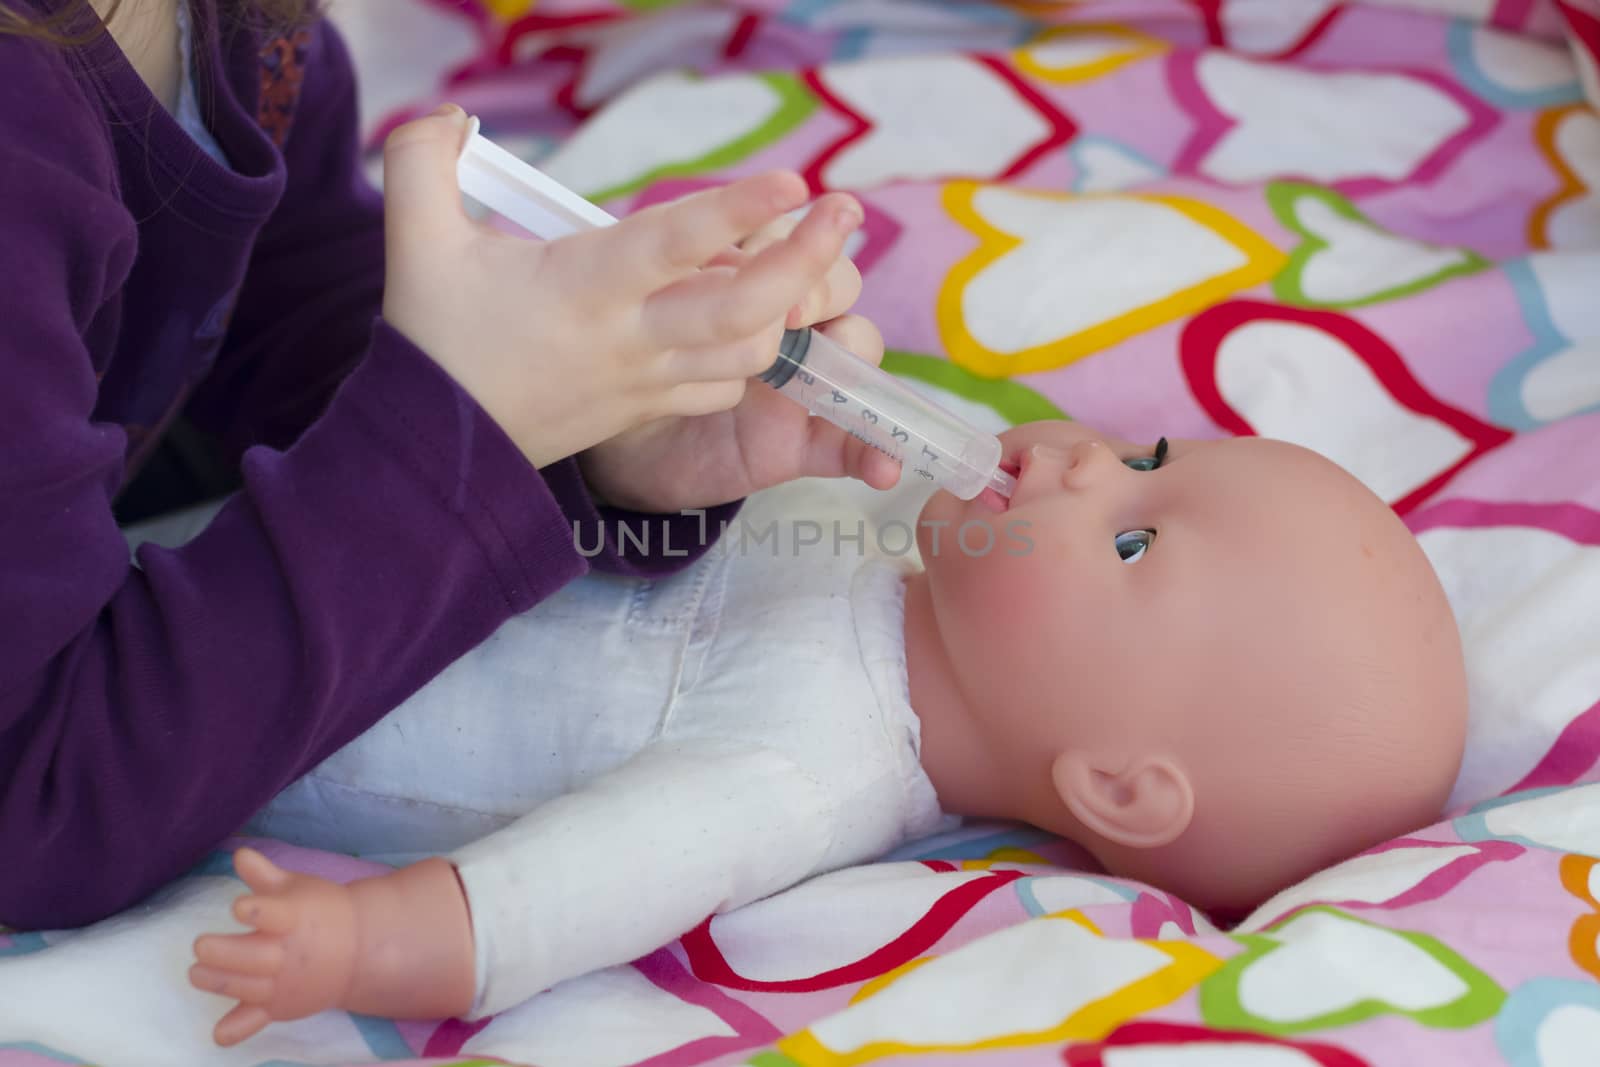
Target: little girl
x: 423, y: 418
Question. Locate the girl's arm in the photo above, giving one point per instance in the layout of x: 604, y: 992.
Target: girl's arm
x: 305, y: 315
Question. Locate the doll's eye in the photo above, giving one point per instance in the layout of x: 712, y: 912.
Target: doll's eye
x: 1151, y: 462
x: 1132, y: 545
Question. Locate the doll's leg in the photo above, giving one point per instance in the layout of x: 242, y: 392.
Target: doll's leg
x: 397, y: 945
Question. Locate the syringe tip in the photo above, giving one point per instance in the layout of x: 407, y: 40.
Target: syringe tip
x: 1002, y: 483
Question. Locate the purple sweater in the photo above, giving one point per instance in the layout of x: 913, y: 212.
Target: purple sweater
x: 386, y: 524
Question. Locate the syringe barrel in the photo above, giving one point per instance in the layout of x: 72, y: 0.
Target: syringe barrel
x: 931, y: 443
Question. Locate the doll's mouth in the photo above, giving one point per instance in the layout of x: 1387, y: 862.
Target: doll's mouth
x: 993, y: 500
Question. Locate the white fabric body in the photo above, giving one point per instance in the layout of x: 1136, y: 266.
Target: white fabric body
x: 728, y: 731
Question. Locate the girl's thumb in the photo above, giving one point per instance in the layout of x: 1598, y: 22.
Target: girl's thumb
x: 420, y: 191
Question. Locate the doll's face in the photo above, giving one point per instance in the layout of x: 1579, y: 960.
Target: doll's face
x: 1244, y: 616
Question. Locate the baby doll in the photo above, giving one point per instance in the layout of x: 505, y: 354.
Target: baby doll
x: 1217, y: 666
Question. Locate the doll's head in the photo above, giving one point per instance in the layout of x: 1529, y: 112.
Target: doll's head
x: 1218, y: 675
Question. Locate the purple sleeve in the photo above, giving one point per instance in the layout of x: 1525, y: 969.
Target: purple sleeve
x: 313, y: 288
x: 147, y: 711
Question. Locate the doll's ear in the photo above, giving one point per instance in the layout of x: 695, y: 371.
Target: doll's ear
x: 1146, y: 803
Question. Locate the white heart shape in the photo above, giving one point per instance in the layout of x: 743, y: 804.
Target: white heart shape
x: 668, y: 119
x: 1564, y: 383
x: 1327, y: 963
x: 1588, y: 72
x: 1325, y: 126
x: 1083, y: 261
x: 1567, y: 820
x: 1567, y: 284
x: 1361, y: 260
x: 1219, y: 1054
x: 1266, y: 26
x: 631, y: 49
x: 1524, y: 601
x: 932, y: 116
x: 1575, y: 223
x: 1370, y: 879
x: 1059, y: 893
x: 1105, y: 167
x: 1568, y: 1036
x: 1023, y: 979
x: 1520, y: 64
x: 860, y: 909
x: 1076, y: 49
x: 1292, y: 381
x: 609, y: 1017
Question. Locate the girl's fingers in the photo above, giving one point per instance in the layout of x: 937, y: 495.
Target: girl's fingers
x: 655, y: 247
x: 422, y: 199
x: 720, y: 307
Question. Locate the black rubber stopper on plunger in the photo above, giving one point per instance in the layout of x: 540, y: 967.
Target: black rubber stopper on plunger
x: 793, y: 347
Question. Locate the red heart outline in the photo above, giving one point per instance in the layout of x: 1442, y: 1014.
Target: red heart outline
x: 1147, y: 1034
x: 1062, y: 128
x: 1202, y: 340
x: 1217, y: 34
x: 710, y: 965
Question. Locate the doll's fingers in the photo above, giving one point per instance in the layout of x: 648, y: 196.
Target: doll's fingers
x: 661, y: 244
x: 242, y: 1022
x: 270, y: 915
x: 857, y: 335
x: 260, y: 873
x: 260, y: 954
x: 245, y: 988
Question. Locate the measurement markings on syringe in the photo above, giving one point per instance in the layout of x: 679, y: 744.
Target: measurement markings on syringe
x: 897, y: 434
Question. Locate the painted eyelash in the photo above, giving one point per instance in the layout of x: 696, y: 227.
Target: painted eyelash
x: 1161, y: 453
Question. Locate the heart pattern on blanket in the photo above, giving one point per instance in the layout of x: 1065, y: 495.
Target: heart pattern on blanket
x: 1347, y: 260
x: 921, y: 117
x: 1277, y: 28
x: 1559, y: 374
x: 1550, y: 1022
x: 1055, y: 277
x: 1102, y: 165
x: 694, y: 125
x: 1046, y: 980
x: 1323, y: 380
x: 1397, y: 875
x: 1581, y: 877
x: 1511, y: 71
x: 1282, y: 984
x: 1560, y: 820
x: 1524, y: 598
x: 912, y: 906
x: 1083, y: 51
x: 1164, y: 1044
x: 1569, y: 139
x: 1259, y: 121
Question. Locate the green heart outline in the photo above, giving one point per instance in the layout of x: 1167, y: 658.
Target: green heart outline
x: 795, y: 105
x: 1222, y: 1007
x: 1011, y: 400
x: 1288, y: 285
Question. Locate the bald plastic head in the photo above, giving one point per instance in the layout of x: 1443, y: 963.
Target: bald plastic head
x: 1219, y: 675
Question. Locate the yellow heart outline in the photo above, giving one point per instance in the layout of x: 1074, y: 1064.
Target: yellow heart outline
x: 1263, y: 260
x: 1144, y: 46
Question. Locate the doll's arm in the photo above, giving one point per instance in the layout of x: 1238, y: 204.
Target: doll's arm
x: 636, y: 859
x: 592, y: 879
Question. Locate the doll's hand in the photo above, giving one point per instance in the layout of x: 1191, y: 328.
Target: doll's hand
x: 568, y: 343
x: 300, y: 960
x: 766, y: 440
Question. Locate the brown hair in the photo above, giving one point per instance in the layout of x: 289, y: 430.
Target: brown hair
x: 55, y: 27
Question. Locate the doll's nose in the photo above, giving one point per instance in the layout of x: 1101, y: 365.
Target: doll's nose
x: 1086, y: 463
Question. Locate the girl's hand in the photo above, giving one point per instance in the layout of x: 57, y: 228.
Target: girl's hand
x: 568, y: 343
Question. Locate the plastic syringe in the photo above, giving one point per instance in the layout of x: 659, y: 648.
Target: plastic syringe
x: 871, y: 405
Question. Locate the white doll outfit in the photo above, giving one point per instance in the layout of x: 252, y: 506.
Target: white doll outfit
x: 730, y: 731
